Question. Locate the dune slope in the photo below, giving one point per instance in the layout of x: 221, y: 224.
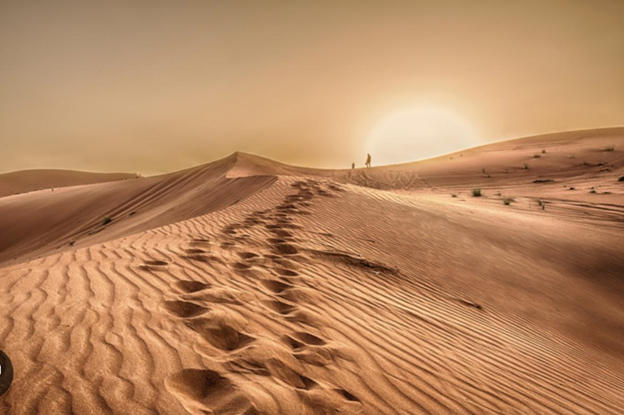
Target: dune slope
x: 314, y: 295
x: 37, y: 223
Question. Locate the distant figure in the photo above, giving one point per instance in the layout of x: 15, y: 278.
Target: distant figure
x: 352, y: 165
x: 368, y: 160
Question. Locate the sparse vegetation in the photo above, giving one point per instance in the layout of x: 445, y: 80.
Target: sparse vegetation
x: 453, y: 195
x: 106, y: 221
x: 476, y: 192
x: 536, y: 156
x: 543, y: 181
x: 592, y: 190
x: 508, y: 201
x: 621, y: 179
x: 541, y: 203
x: 525, y: 166
x: 572, y: 188
x: 543, y: 151
x: 609, y: 148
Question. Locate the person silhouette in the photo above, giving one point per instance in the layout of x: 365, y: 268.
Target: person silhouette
x: 368, y: 160
x: 352, y: 165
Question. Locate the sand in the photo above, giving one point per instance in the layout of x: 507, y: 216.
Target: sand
x: 246, y: 286
x: 29, y: 180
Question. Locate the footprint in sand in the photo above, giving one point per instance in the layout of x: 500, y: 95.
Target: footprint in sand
x: 280, y: 233
x: 280, y: 306
x: 324, y: 193
x: 152, y: 265
x: 285, y: 249
x: 230, y: 229
x: 252, y: 221
x: 293, y: 343
x: 248, y: 255
x: 241, y: 265
x: 286, y: 272
x: 191, y: 251
x: 200, y: 242
x: 309, y: 338
x: 285, y: 225
x: 220, y: 333
x: 191, y: 286
x: 347, y: 395
x: 276, y: 286
x: 184, y: 309
x: 215, y: 393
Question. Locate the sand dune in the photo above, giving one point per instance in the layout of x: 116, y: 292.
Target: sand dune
x: 37, y: 223
x: 30, y: 180
x: 246, y: 286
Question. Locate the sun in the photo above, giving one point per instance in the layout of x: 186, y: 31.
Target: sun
x: 417, y: 133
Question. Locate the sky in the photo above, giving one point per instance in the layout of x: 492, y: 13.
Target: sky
x: 155, y: 86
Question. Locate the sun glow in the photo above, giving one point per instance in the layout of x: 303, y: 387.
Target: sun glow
x: 418, y: 133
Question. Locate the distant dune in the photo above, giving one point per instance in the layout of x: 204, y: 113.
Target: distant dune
x: 485, y: 281
x: 28, y: 180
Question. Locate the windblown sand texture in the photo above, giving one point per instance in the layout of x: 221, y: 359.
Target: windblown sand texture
x: 246, y: 286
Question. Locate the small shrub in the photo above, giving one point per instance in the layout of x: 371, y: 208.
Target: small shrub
x: 536, y: 156
x: 621, y: 179
x: 541, y: 203
x: 525, y: 166
x: 572, y: 188
x: 508, y: 200
x: 609, y: 148
x: 106, y: 221
x: 592, y: 190
x: 476, y: 192
x: 543, y: 151
x: 453, y: 195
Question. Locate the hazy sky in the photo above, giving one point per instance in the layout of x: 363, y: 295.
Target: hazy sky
x: 153, y: 86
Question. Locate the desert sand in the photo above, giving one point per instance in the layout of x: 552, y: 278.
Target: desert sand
x: 28, y: 180
x: 246, y: 286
